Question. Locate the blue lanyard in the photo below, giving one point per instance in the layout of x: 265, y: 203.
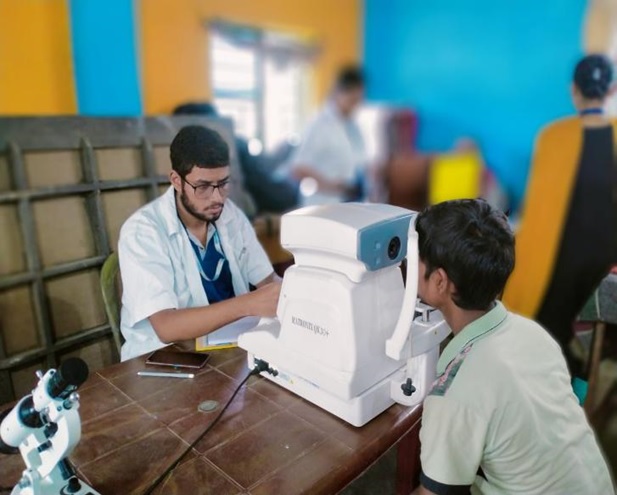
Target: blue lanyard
x: 200, y: 262
x: 592, y: 111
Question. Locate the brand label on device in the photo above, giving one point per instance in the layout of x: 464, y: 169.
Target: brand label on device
x: 313, y: 327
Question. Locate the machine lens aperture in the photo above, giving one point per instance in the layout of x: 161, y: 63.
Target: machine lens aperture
x: 394, y: 248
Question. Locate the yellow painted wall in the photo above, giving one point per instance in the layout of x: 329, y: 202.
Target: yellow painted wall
x: 36, y: 69
x: 174, y: 41
x: 599, y: 27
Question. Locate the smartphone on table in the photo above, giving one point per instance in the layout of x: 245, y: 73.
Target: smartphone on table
x: 178, y: 359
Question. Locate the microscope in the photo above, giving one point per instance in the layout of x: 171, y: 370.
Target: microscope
x: 45, y: 427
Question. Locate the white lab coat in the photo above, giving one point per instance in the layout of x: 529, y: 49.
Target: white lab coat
x: 159, y: 269
x: 333, y: 146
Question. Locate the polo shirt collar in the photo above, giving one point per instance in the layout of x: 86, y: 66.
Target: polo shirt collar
x: 477, y: 329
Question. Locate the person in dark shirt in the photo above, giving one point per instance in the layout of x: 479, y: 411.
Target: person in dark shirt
x: 272, y: 194
x: 585, y: 241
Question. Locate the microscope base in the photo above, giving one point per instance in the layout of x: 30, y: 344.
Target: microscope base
x: 32, y: 484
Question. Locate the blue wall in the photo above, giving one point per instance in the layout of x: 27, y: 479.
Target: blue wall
x: 492, y: 70
x: 105, y: 58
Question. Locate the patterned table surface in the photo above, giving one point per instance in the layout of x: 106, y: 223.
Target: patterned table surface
x: 268, y: 442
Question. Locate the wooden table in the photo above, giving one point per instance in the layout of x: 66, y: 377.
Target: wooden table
x: 269, y: 442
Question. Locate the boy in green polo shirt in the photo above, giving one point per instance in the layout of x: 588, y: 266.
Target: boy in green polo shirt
x: 501, y: 416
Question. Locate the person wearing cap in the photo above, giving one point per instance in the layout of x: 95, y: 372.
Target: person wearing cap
x: 567, y: 239
x: 189, y: 258
x: 331, y: 158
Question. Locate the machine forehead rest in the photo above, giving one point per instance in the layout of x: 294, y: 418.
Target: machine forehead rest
x: 376, y: 235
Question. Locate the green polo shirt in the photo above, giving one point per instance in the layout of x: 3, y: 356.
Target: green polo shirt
x: 502, y: 402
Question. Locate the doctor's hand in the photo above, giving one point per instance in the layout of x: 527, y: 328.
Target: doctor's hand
x: 264, y: 301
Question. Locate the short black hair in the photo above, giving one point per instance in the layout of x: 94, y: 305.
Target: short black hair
x: 593, y: 76
x: 349, y: 78
x: 196, y: 108
x: 473, y: 243
x: 198, y: 146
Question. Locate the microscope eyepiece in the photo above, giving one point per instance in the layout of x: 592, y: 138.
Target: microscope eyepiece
x: 68, y: 377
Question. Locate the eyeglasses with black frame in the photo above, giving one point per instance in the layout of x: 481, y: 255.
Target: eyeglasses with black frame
x: 206, y: 190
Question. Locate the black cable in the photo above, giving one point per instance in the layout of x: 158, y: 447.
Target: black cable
x: 259, y: 367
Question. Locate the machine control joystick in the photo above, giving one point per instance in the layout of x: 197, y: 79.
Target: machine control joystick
x: 408, y: 387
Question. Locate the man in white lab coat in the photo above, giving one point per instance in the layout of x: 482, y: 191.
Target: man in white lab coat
x: 332, y: 157
x: 188, y: 258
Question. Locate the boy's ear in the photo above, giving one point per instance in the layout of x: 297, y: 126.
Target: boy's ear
x: 445, y: 287
x: 441, y: 281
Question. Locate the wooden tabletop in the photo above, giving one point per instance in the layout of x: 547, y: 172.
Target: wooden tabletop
x: 268, y: 442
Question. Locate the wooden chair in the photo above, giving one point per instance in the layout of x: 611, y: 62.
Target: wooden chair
x: 109, y: 282
x: 600, y: 309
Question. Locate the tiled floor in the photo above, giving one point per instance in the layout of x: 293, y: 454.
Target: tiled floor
x: 377, y: 480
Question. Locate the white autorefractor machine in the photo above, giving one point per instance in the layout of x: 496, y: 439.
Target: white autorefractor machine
x: 350, y: 337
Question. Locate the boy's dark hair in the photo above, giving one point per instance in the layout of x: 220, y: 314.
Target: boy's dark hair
x: 593, y: 76
x: 196, y: 108
x: 473, y: 244
x: 198, y: 146
x: 349, y: 78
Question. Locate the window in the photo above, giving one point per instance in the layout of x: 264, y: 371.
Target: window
x: 261, y: 80
x: 600, y: 36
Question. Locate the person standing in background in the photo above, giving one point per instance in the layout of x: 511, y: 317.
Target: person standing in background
x: 330, y: 160
x: 568, y: 238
